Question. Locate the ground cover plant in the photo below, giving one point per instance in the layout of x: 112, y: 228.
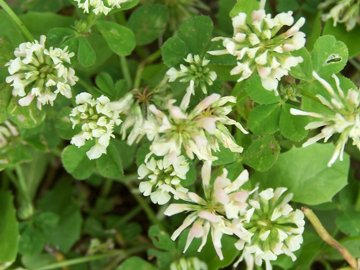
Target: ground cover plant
x: 179, y: 134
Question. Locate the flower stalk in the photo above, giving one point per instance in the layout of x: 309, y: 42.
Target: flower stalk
x: 327, y: 238
x: 16, y: 20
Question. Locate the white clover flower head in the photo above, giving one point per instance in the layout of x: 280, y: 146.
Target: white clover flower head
x: 344, y: 11
x: 196, y: 133
x: 218, y: 213
x: 343, y: 117
x: 7, y: 132
x: 162, y: 177
x: 192, y: 263
x: 97, y: 119
x: 260, y: 47
x: 196, y: 73
x: 276, y: 227
x: 99, y: 6
x: 41, y: 73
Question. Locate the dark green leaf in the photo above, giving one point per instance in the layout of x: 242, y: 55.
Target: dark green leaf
x: 264, y: 119
x: 120, y: 39
x: 148, y: 22
x: 305, y: 173
x: 9, y: 228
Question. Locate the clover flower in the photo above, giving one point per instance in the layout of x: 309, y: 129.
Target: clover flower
x: 7, y: 132
x: 41, y: 73
x: 197, y: 74
x: 218, y: 213
x: 275, y: 226
x: 343, y: 117
x: 164, y: 176
x: 188, y: 264
x: 134, y: 110
x: 343, y: 11
x: 261, y: 46
x: 99, y: 6
x: 197, y: 133
x: 97, y: 119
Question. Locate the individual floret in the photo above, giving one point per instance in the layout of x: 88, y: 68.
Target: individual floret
x: 343, y: 11
x: 40, y: 73
x: 99, y: 6
x: 260, y: 45
x: 276, y: 228
x: 7, y: 132
x: 342, y: 117
x: 188, y: 264
x: 97, y: 119
x: 161, y: 177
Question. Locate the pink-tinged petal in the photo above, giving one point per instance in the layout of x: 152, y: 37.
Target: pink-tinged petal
x: 208, y: 123
x: 206, y: 174
x: 205, y: 103
x: 196, y: 231
x: 187, y: 222
x: 176, y: 208
x: 209, y: 216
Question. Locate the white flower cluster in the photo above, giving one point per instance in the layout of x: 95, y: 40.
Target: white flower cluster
x: 188, y: 264
x: 7, y: 132
x: 275, y: 226
x: 196, y: 133
x: 264, y: 223
x: 342, y: 118
x: 343, y: 11
x: 41, y: 73
x: 218, y: 213
x: 259, y: 46
x: 99, y: 6
x: 164, y: 177
x: 97, y: 119
x: 197, y: 74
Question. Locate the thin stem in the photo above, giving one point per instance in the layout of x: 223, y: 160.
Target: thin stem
x: 16, y: 20
x: 327, y: 238
x: 138, y: 75
x: 145, y: 206
x: 355, y: 64
x: 151, y: 58
x: 125, y: 71
x: 27, y: 208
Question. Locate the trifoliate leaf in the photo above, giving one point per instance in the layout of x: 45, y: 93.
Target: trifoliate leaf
x: 120, y: 39
x: 305, y: 173
x: 148, y: 22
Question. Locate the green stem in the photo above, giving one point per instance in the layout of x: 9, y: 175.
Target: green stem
x: 145, y: 206
x: 121, y: 253
x: 355, y: 63
x: 16, y: 20
x: 125, y: 71
x: 138, y: 76
x: 151, y: 58
x: 27, y: 208
x: 327, y: 238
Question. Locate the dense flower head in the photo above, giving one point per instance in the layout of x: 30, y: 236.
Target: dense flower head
x: 99, y: 6
x: 196, y: 73
x: 97, y: 119
x: 161, y: 177
x: 217, y: 213
x: 7, y: 132
x: 343, y: 11
x: 188, y: 264
x: 343, y: 117
x: 275, y: 226
x: 260, y: 45
x: 40, y: 73
x: 196, y: 133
